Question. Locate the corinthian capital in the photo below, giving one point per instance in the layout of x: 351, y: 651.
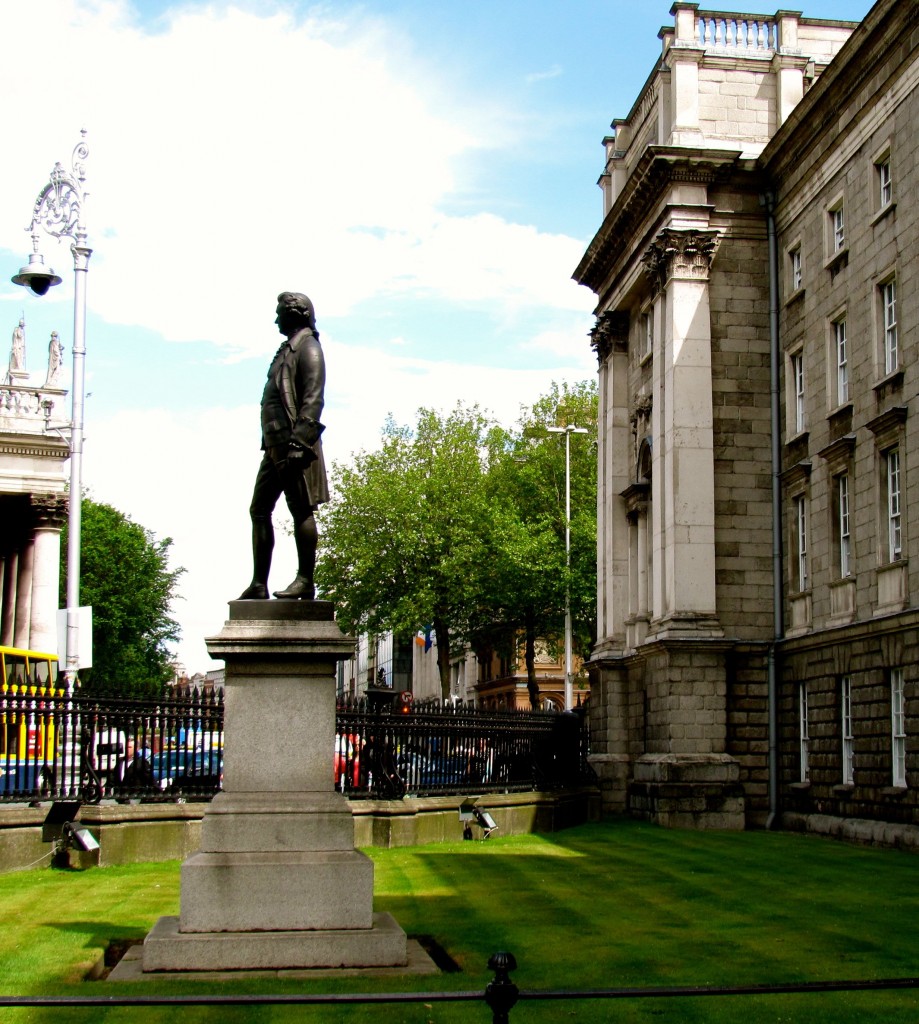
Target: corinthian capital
x: 684, y: 255
x: 609, y: 334
x: 48, y: 510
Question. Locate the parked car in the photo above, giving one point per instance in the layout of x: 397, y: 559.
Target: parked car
x: 423, y: 771
x: 174, y: 768
x: 109, y: 749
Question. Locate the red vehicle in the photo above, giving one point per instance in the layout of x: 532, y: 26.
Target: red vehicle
x: 347, y: 761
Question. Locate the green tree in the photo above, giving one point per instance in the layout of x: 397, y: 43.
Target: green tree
x: 460, y: 524
x: 403, y: 538
x: 531, y: 578
x: 125, y: 576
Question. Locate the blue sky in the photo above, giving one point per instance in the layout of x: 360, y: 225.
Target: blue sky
x: 425, y: 170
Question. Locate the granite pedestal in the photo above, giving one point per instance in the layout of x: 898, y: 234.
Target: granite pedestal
x: 277, y: 883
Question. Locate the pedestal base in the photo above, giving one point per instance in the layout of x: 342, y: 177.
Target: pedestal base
x: 168, y: 949
x: 270, y: 891
x: 277, y: 883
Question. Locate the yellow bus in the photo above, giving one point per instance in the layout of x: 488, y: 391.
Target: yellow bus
x: 26, y: 725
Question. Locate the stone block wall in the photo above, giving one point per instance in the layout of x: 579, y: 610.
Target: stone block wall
x: 736, y: 104
x: 748, y: 726
x: 865, y: 653
x: 739, y: 302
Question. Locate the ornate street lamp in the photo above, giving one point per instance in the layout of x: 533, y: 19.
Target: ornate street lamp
x: 60, y: 211
x: 568, y: 430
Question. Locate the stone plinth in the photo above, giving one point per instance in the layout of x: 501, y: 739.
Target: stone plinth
x: 688, y: 791
x: 277, y: 883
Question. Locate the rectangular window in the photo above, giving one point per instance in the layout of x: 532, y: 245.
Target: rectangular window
x: 889, y: 324
x: 803, y: 732
x: 794, y: 261
x: 842, y: 362
x: 845, y: 538
x: 797, y: 372
x: 885, y: 184
x: 894, y: 522
x: 837, y: 229
x: 897, y: 727
x: 848, y: 772
x: 801, y: 541
x: 647, y: 333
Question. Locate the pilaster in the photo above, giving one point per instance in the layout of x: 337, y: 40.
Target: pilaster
x: 683, y: 478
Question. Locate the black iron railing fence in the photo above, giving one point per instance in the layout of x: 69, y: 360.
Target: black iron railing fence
x: 455, y: 749
x: 54, y: 746
x: 91, y: 747
x: 500, y: 995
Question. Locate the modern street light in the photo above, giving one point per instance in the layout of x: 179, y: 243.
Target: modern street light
x: 60, y: 211
x: 568, y: 430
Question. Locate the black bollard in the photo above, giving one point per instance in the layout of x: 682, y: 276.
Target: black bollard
x: 501, y: 993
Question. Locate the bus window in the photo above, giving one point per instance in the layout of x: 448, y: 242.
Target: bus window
x: 27, y: 668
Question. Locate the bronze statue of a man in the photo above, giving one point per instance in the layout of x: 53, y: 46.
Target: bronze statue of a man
x: 292, y: 464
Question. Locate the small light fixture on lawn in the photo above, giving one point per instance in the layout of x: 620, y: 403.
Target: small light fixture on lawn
x: 81, y: 838
x: 469, y: 813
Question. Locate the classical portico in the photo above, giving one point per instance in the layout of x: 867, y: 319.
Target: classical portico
x: 33, y: 503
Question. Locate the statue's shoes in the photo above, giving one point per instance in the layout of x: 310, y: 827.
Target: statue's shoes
x: 254, y: 592
x: 300, y: 590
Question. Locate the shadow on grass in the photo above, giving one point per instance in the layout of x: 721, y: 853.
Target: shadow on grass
x: 617, y: 904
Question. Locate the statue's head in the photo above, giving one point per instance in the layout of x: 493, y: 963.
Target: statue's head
x: 299, y: 304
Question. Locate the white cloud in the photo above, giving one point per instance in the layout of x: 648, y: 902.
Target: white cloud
x: 233, y: 155
x: 540, y: 76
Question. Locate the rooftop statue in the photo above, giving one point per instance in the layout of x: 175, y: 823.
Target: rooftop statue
x: 55, y: 361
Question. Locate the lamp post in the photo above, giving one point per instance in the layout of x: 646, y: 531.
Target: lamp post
x: 567, y: 430
x: 60, y: 211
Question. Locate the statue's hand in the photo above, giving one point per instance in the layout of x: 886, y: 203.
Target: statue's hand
x: 300, y: 457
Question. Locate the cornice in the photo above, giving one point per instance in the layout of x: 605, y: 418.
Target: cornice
x: 818, y: 113
x: 50, y: 449
x: 658, y: 167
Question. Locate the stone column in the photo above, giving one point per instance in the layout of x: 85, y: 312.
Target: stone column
x: 277, y: 882
x: 23, y: 596
x: 8, y: 604
x: 50, y: 512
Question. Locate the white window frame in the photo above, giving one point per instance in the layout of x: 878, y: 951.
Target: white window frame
x: 848, y: 756
x: 795, y: 267
x: 800, y: 507
x: 837, y: 227
x: 888, y: 299
x: 897, y: 728
x: 844, y: 520
x: 803, y: 732
x: 797, y: 378
x: 841, y: 349
x: 893, y: 499
x: 647, y: 332
x: 885, y: 182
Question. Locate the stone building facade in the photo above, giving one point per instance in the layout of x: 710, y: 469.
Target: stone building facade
x: 720, y: 285
x: 33, y: 505
x: 845, y: 166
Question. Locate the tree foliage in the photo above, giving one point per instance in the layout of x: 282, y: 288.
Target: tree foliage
x: 459, y: 524
x: 536, y: 579
x: 125, y: 576
x: 403, y: 536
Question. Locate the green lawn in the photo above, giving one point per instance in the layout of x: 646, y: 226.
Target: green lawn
x: 617, y: 904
